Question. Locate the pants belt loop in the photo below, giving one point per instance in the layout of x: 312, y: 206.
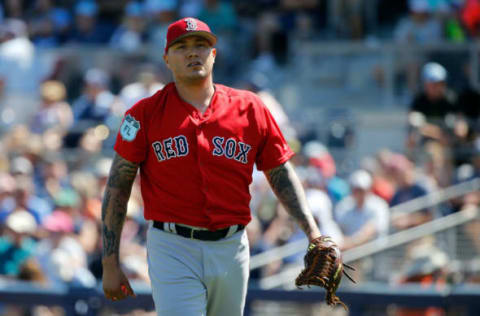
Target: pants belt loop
x: 231, y: 230
x: 166, y: 227
x: 172, y: 228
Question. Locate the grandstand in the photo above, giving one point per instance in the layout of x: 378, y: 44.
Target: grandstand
x: 346, y: 76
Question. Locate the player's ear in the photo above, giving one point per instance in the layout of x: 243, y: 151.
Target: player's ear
x: 165, y: 59
x: 214, y: 53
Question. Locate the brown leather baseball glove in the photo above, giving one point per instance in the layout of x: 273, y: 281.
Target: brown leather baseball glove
x: 324, y: 267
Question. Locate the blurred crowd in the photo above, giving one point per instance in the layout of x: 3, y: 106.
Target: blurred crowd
x: 265, y: 26
x: 53, y: 170
x: 57, y: 133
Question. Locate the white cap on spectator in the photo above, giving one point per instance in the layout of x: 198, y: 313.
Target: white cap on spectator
x: 314, y: 149
x: 360, y: 179
x: 21, y: 165
x: 434, y: 72
x: 21, y: 222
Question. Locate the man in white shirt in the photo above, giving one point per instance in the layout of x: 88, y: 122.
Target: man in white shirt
x: 362, y: 216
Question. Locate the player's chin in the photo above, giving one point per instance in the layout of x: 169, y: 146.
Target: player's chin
x: 197, y: 75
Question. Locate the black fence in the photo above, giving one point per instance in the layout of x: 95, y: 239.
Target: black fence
x: 362, y: 299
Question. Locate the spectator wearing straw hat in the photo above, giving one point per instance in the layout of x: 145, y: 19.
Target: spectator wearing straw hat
x: 54, y: 112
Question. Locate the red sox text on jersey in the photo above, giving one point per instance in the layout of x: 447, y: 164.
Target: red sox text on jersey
x: 174, y: 147
x: 195, y: 168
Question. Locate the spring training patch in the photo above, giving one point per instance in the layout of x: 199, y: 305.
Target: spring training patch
x: 129, y: 128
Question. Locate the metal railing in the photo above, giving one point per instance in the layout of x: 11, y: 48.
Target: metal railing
x: 286, y: 277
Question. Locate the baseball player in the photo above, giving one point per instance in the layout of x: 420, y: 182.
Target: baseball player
x: 195, y: 143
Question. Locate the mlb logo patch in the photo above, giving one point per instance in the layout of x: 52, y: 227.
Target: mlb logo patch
x: 129, y: 128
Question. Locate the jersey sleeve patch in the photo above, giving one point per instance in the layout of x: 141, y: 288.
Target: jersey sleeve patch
x: 129, y: 128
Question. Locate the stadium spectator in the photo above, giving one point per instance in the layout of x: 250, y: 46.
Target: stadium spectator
x: 20, y: 73
x: 47, y: 23
x: 466, y: 131
x: 162, y: 13
x: 361, y: 216
x: 258, y: 83
x: 318, y: 156
x: 348, y: 21
x: 38, y: 173
x: 418, y: 28
x: 31, y: 271
x: 471, y: 17
x: 382, y: 186
x: 14, y: 9
x: 24, y: 198
x: 52, y: 177
x: 145, y: 85
x: 223, y: 20
x: 16, y: 242
x: 95, y: 102
x: 320, y: 203
x: 269, y: 42
x: 61, y: 255
x: 54, y: 112
x: 403, y: 173
x: 435, y: 101
x: 435, y: 170
x: 7, y: 185
x: 87, y: 29
x: 131, y: 34
x: 430, y: 108
x: 220, y: 16
x: 467, y: 104
x: 454, y: 30
x: 93, y: 106
x: 426, y: 265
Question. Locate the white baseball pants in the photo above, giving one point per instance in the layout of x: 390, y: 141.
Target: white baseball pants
x: 198, y: 278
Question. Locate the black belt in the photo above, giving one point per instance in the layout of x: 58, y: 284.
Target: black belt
x: 193, y: 233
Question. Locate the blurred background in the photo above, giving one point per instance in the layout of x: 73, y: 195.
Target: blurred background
x: 379, y: 99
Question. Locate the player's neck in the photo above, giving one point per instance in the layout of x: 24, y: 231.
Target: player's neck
x: 198, y: 94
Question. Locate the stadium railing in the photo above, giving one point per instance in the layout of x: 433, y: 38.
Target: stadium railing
x: 285, y: 278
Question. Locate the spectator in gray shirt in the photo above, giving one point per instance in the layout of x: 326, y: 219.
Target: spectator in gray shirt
x: 362, y: 216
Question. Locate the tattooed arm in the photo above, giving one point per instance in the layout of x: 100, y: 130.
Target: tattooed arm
x: 288, y: 189
x: 114, y: 206
x: 114, y: 209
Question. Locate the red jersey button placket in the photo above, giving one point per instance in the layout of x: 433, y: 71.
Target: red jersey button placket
x: 202, y: 155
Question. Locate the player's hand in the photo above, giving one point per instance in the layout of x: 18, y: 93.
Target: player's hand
x: 115, y: 284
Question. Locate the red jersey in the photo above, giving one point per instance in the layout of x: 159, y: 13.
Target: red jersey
x: 196, y: 168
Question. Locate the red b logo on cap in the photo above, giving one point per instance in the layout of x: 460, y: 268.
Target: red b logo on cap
x: 191, y: 24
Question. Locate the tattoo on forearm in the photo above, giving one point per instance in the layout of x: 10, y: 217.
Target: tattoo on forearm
x: 289, y: 191
x: 114, y: 206
x: 108, y: 241
x: 122, y: 174
x: 105, y: 203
